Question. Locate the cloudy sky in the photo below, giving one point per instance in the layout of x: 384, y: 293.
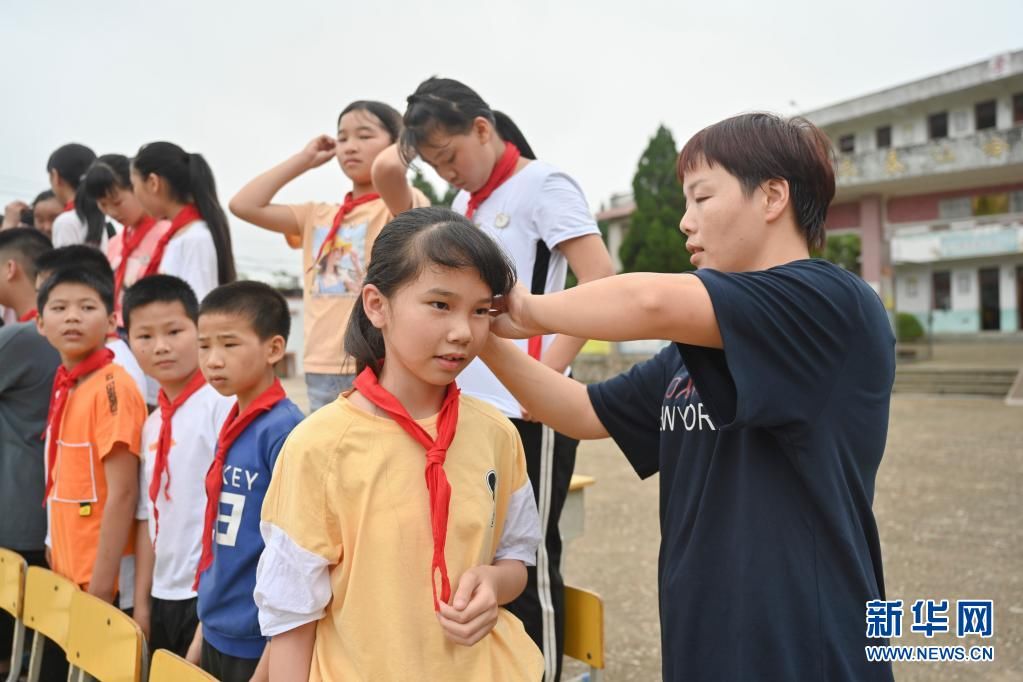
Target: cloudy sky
x: 247, y: 84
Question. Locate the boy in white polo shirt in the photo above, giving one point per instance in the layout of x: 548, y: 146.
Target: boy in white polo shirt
x: 178, y: 443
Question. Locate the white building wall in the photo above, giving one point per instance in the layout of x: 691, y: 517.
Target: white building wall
x: 965, y: 290
x: 913, y: 290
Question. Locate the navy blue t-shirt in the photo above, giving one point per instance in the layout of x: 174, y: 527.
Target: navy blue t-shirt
x: 226, y: 608
x: 767, y: 452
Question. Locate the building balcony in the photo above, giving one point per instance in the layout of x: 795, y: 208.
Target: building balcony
x: 977, y: 238
x: 988, y: 151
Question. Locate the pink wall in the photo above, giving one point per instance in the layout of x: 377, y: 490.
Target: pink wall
x: 842, y: 216
x: 924, y: 207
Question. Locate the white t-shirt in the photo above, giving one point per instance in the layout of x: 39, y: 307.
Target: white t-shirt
x: 194, y: 431
x: 68, y: 229
x: 126, y: 359
x: 192, y: 256
x: 537, y: 203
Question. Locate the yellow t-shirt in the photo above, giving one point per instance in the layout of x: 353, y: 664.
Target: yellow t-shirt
x: 331, y: 285
x: 348, y: 544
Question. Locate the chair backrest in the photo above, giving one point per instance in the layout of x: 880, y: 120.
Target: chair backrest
x: 169, y: 667
x: 103, y: 640
x: 12, y: 582
x: 47, y: 605
x: 584, y: 627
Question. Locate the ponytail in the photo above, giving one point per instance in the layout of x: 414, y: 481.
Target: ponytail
x: 203, y: 189
x: 510, y: 132
x: 191, y: 180
x: 88, y: 212
x: 451, y: 106
x: 363, y: 341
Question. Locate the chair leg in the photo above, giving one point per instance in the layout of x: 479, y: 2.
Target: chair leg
x: 17, y: 651
x: 596, y: 675
x: 35, y: 659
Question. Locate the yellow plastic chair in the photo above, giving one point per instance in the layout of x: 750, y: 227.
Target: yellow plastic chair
x: 104, y: 642
x: 12, y: 597
x: 584, y: 630
x: 47, y: 610
x: 169, y: 667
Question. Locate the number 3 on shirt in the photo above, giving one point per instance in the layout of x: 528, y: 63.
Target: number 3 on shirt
x: 233, y: 520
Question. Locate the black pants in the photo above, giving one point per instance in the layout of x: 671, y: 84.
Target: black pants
x: 172, y: 625
x: 226, y: 668
x: 550, y: 460
x: 54, y: 664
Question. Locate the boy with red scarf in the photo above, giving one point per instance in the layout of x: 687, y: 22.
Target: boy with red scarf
x: 93, y: 431
x: 178, y: 443
x: 243, y: 331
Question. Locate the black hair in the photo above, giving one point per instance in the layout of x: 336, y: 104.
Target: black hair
x: 191, y: 180
x: 262, y: 305
x: 452, y: 106
x: 27, y: 244
x: 75, y: 257
x: 45, y: 195
x: 107, y: 173
x: 413, y: 241
x: 385, y: 113
x: 103, y: 286
x: 71, y: 161
x: 159, y: 289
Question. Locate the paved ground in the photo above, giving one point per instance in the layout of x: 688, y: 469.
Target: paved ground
x: 948, y: 506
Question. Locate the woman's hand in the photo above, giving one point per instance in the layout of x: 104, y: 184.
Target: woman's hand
x: 512, y: 317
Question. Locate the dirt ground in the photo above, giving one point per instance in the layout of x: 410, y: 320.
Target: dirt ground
x: 948, y: 505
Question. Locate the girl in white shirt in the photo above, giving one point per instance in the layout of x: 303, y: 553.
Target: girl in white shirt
x: 81, y: 222
x: 540, y: 217
x: 179, y: 186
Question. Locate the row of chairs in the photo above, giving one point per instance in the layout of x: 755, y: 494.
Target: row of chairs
x: 102, y: 641
x: 98, y: 639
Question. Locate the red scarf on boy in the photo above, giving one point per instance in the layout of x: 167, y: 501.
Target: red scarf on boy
x: 130, y: 241
x: 62, y: 385
x: 436, y: 452
x: 233, y: 427
x: 29, y: 316
x: 185, y: 217
x: 347, y: 207
x: 163, y: 444
x: 502, y: 170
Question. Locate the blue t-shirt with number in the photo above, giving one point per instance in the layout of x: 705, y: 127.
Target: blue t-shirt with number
x: 227, y: 611
x: 767, y: 452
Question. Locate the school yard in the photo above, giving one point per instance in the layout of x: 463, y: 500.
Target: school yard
x: 949, y: 505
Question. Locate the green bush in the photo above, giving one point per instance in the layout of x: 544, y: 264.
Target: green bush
x: 908, y: 328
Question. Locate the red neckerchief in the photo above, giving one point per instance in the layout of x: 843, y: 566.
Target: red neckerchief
x: 502, y: 170
x: 163, y: 443
x: 64, y: 381
x: 233, y: 427
x: 69, y: 206
x: 30, y: 315
x: 130, y: 241
x: 347, y: 207
x: 185, y: 217
x: 436, y: 452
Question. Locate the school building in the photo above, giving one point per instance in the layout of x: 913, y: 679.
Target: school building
x: 930, y: 174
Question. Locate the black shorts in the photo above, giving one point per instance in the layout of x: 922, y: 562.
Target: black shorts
x: 227, y: 668
x: 172, y: 624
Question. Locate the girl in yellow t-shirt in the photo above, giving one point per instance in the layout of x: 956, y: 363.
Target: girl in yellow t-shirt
x: 332, y: 273
x: 368, y: 574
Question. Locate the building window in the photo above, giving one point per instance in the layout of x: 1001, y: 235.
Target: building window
x: 955, y: 209
x: 883, y: 135
x: 986, y: 115
x: 847, y: 144
x: 990, y: 204
x: 1016, y: 203
x: 911, y: 287
x: 937, y: 126
x: 1017, y: 108
x: 941, y: 290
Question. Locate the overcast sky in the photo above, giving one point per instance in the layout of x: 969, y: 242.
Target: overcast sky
x: 247, y: 84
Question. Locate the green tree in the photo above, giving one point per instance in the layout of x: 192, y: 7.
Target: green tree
x: 427, y: 188
x: 842, y: 250
x: 654, y: 243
